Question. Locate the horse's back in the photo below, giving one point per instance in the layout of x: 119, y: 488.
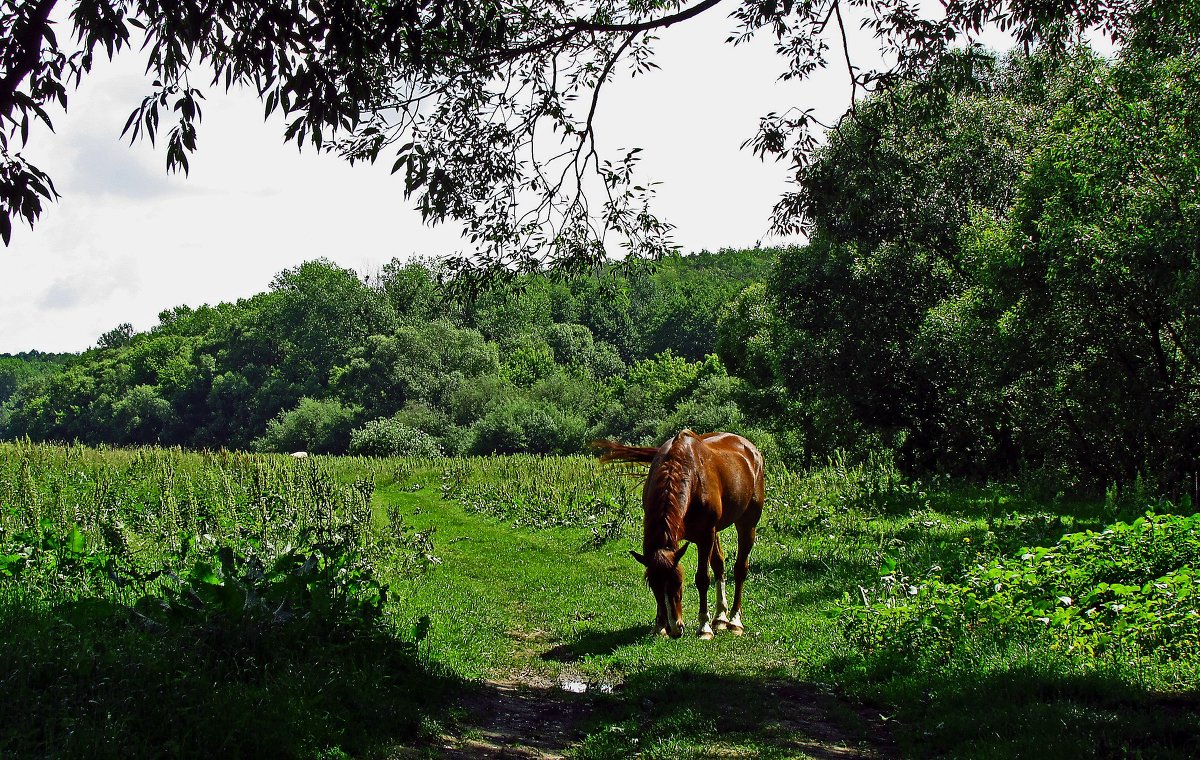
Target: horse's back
x: 736, y: 466
x: 737, y: 454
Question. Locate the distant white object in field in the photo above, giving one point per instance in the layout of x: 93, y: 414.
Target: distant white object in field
x: 300, y: 454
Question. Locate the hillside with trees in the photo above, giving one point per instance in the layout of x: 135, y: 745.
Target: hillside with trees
x: 393, y: 363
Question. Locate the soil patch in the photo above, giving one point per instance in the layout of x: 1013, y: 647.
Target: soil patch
x: 510, y: 719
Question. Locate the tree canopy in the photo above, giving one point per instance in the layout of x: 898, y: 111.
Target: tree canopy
x: 1003, y: 281
x: 486, y: 110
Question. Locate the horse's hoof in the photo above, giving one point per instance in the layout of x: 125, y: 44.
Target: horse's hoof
x: 704, y: 635
x: 720, y: 625
x: 736, y: 630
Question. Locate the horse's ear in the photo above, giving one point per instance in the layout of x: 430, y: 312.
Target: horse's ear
x: 679, y: 554
x: 639, y: 558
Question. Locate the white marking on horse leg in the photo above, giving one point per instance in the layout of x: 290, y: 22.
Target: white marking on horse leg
x: 672, y: 626
x: 735, y: 624
x: 704, y: 630
x: 721, y: 620
x: 666, y: 614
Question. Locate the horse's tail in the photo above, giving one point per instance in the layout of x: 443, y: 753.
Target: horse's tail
x: 619, y: 452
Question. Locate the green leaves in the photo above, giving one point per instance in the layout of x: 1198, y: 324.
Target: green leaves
x: 323, y: 580
x: 75, y: 542
x: 1129, y: 587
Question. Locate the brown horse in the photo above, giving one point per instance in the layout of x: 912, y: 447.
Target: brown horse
x: 697, y: 486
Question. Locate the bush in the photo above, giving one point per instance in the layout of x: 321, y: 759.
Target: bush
x: 524, y: 426
x: 318, y: 426
x: 1128, y: 589
x: 386, y: 437
x: 455, y: 440
x: 471, y: 401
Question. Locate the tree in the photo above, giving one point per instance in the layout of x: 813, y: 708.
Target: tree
x: 117, y: 337
x: 1096, y: 275
x: 1006, y: 280
x: 320, y: 313
x: 463, y: 97
x: 425, y: 362
x: 878, y: 315
x: 318, y: 426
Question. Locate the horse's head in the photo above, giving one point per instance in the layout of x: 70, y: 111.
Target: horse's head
x: 665, y: 578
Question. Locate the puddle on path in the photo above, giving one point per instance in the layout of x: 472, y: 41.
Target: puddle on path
x: 579, y: 687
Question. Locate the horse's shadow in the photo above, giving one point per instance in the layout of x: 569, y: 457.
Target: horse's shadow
x: 595, y: 642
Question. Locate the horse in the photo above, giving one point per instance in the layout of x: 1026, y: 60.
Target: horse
x: 697, y: 486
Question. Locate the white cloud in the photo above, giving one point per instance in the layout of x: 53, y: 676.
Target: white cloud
x: 106, y: 168
x: 91, y: 285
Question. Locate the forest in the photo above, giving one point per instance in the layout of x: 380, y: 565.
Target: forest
x: 392, y: 364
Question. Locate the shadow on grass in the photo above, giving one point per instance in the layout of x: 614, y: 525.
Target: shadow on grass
x: 596, y: 642
x: 93, y: 680
x: 1033, y: 711
x: 807, y: 581
x: 688, y: 713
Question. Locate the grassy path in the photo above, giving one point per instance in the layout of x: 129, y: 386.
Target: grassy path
x: 558, y: 637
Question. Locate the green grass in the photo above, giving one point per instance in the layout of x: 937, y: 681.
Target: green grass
x: 527, y: 577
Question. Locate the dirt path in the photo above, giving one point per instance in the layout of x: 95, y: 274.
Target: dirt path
x: 542, y: 720
x: 509, y: 719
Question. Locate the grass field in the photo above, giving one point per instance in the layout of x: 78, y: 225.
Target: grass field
x: 397, y: 608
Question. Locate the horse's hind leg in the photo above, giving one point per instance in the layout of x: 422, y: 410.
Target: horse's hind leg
x: 721, y: 618
x: 746, y: 529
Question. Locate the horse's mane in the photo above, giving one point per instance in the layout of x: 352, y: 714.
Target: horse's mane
x: 672, y: 478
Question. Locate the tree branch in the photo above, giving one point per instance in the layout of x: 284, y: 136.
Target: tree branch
x: 27, y: 54
x: 579, y: 26
x: 645, y: 26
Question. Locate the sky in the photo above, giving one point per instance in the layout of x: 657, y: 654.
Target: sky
x: 127, y: 241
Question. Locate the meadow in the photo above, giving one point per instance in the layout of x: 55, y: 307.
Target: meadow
x: 156, y: 602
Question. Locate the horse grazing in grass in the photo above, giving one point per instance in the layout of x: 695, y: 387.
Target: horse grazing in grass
x: 697, y: 486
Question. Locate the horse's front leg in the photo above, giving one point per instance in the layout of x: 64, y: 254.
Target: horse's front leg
x: 705, y: 630
x: 721, y: 619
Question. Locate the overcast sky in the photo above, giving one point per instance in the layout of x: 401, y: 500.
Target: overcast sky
x: 127, y: 241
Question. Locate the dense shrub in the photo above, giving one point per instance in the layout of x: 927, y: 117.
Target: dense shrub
x: 455, y: 440
x: 1128, y: 590
x: 391, y: 438
x: 314, y: 425
x: 529, y: 426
